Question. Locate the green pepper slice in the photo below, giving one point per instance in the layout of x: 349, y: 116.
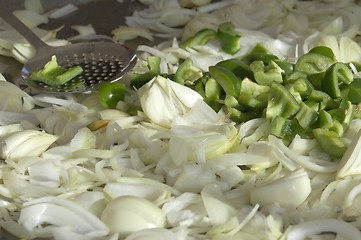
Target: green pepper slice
x: 284, y: 128
x: 266, y: 58
x: 335, y: 75
x: 266, y: 75
x: 253, y: 95
x: 313, y: 63
x: 54, y: 75
x: 230, y: 83
x: 306, y: 116
x: 110, y: 94
x: 330, y: 142
x: 323, y: 50
x: 228, y: 38
x: 187, y: 73
x: 201, y: 37
x: 281, y: 102
x: 139, y: 79
x: 238, y: 67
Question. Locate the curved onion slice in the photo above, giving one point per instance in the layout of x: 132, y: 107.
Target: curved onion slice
x: 309, y: 229
x: 128, y: 214
x: 61, y: 213
x: 291, y: 189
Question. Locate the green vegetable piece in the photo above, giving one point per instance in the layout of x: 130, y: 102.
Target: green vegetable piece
x: 259, y: 48
x: 253, y: 95
x: 228, y: 38
x: 294, y: 76
x: 335, y: 75
x: 312, y: 104
x: 352, y: 92
x: 238, y: 67
x: 323, y: 50
x: 199, y: 86
x: 325, y: 120
x: 330, y: 142
x: 284, y: 128
x: 68, y: 75
x: 231, y: 102
x: 313, y: 63
x: 344, y: 115
x: 110, y: 94
x: 212, y: 89
x: 281, y: 102
x: 337, y: 128
x: 139, y: 79
x: 285, y: 66
x: 187, y: 73
x: 52, y: 68
x: 300, y: 89
x: 230, y: 83
x: 202, y: 37
x: 242, y: 116
x: 54, y: 75
x: 325, y: 101
x: 266, y: 58
x: 306, y: 116
x: 266, y: 75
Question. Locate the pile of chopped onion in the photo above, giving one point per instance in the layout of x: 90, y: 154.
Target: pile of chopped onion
x: 177, y: 169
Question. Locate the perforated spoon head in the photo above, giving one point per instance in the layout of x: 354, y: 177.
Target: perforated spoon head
x: 101, y: 62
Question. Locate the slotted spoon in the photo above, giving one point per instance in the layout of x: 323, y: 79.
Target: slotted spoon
x: 101, y: 61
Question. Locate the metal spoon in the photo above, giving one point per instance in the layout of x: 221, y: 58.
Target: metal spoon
x: 101, y: 61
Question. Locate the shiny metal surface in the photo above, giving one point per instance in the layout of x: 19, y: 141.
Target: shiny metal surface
x: 103, y: 15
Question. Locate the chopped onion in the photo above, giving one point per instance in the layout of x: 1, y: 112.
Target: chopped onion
x: 63, y: 11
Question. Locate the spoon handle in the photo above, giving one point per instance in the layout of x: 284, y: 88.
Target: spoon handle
x: 19, y: 26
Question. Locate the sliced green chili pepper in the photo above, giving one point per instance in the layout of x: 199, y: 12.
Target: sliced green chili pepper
x: 300, y: 89
x: 281, y: 102
x: 323, y: 50
x: 238, y: 67
x: 335, y: 75
x: 202, y: 37
x: 352, y: 92
x: 54, y: 75
x: 230, y: 83
x: 110, y: 94
x: 324, y: 120
x: 266, y: 75
x: 312, y: 104
x: 259, y: 48
x: 285, y: 66
x: 228, y: 38
x: 284, y: 128
x: 187, y: 73
x: 253, y: 95
x: 337, y: 128
x: 344, y: 115
x: 212, y: 89
x: 306, y: 116
x: 330, y: 142
x: 266, y: 58
x: 325, y: 101
x: 139, y: 80
x: 242, y: 116
x: 231, y: 102
x: 313, y: 63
